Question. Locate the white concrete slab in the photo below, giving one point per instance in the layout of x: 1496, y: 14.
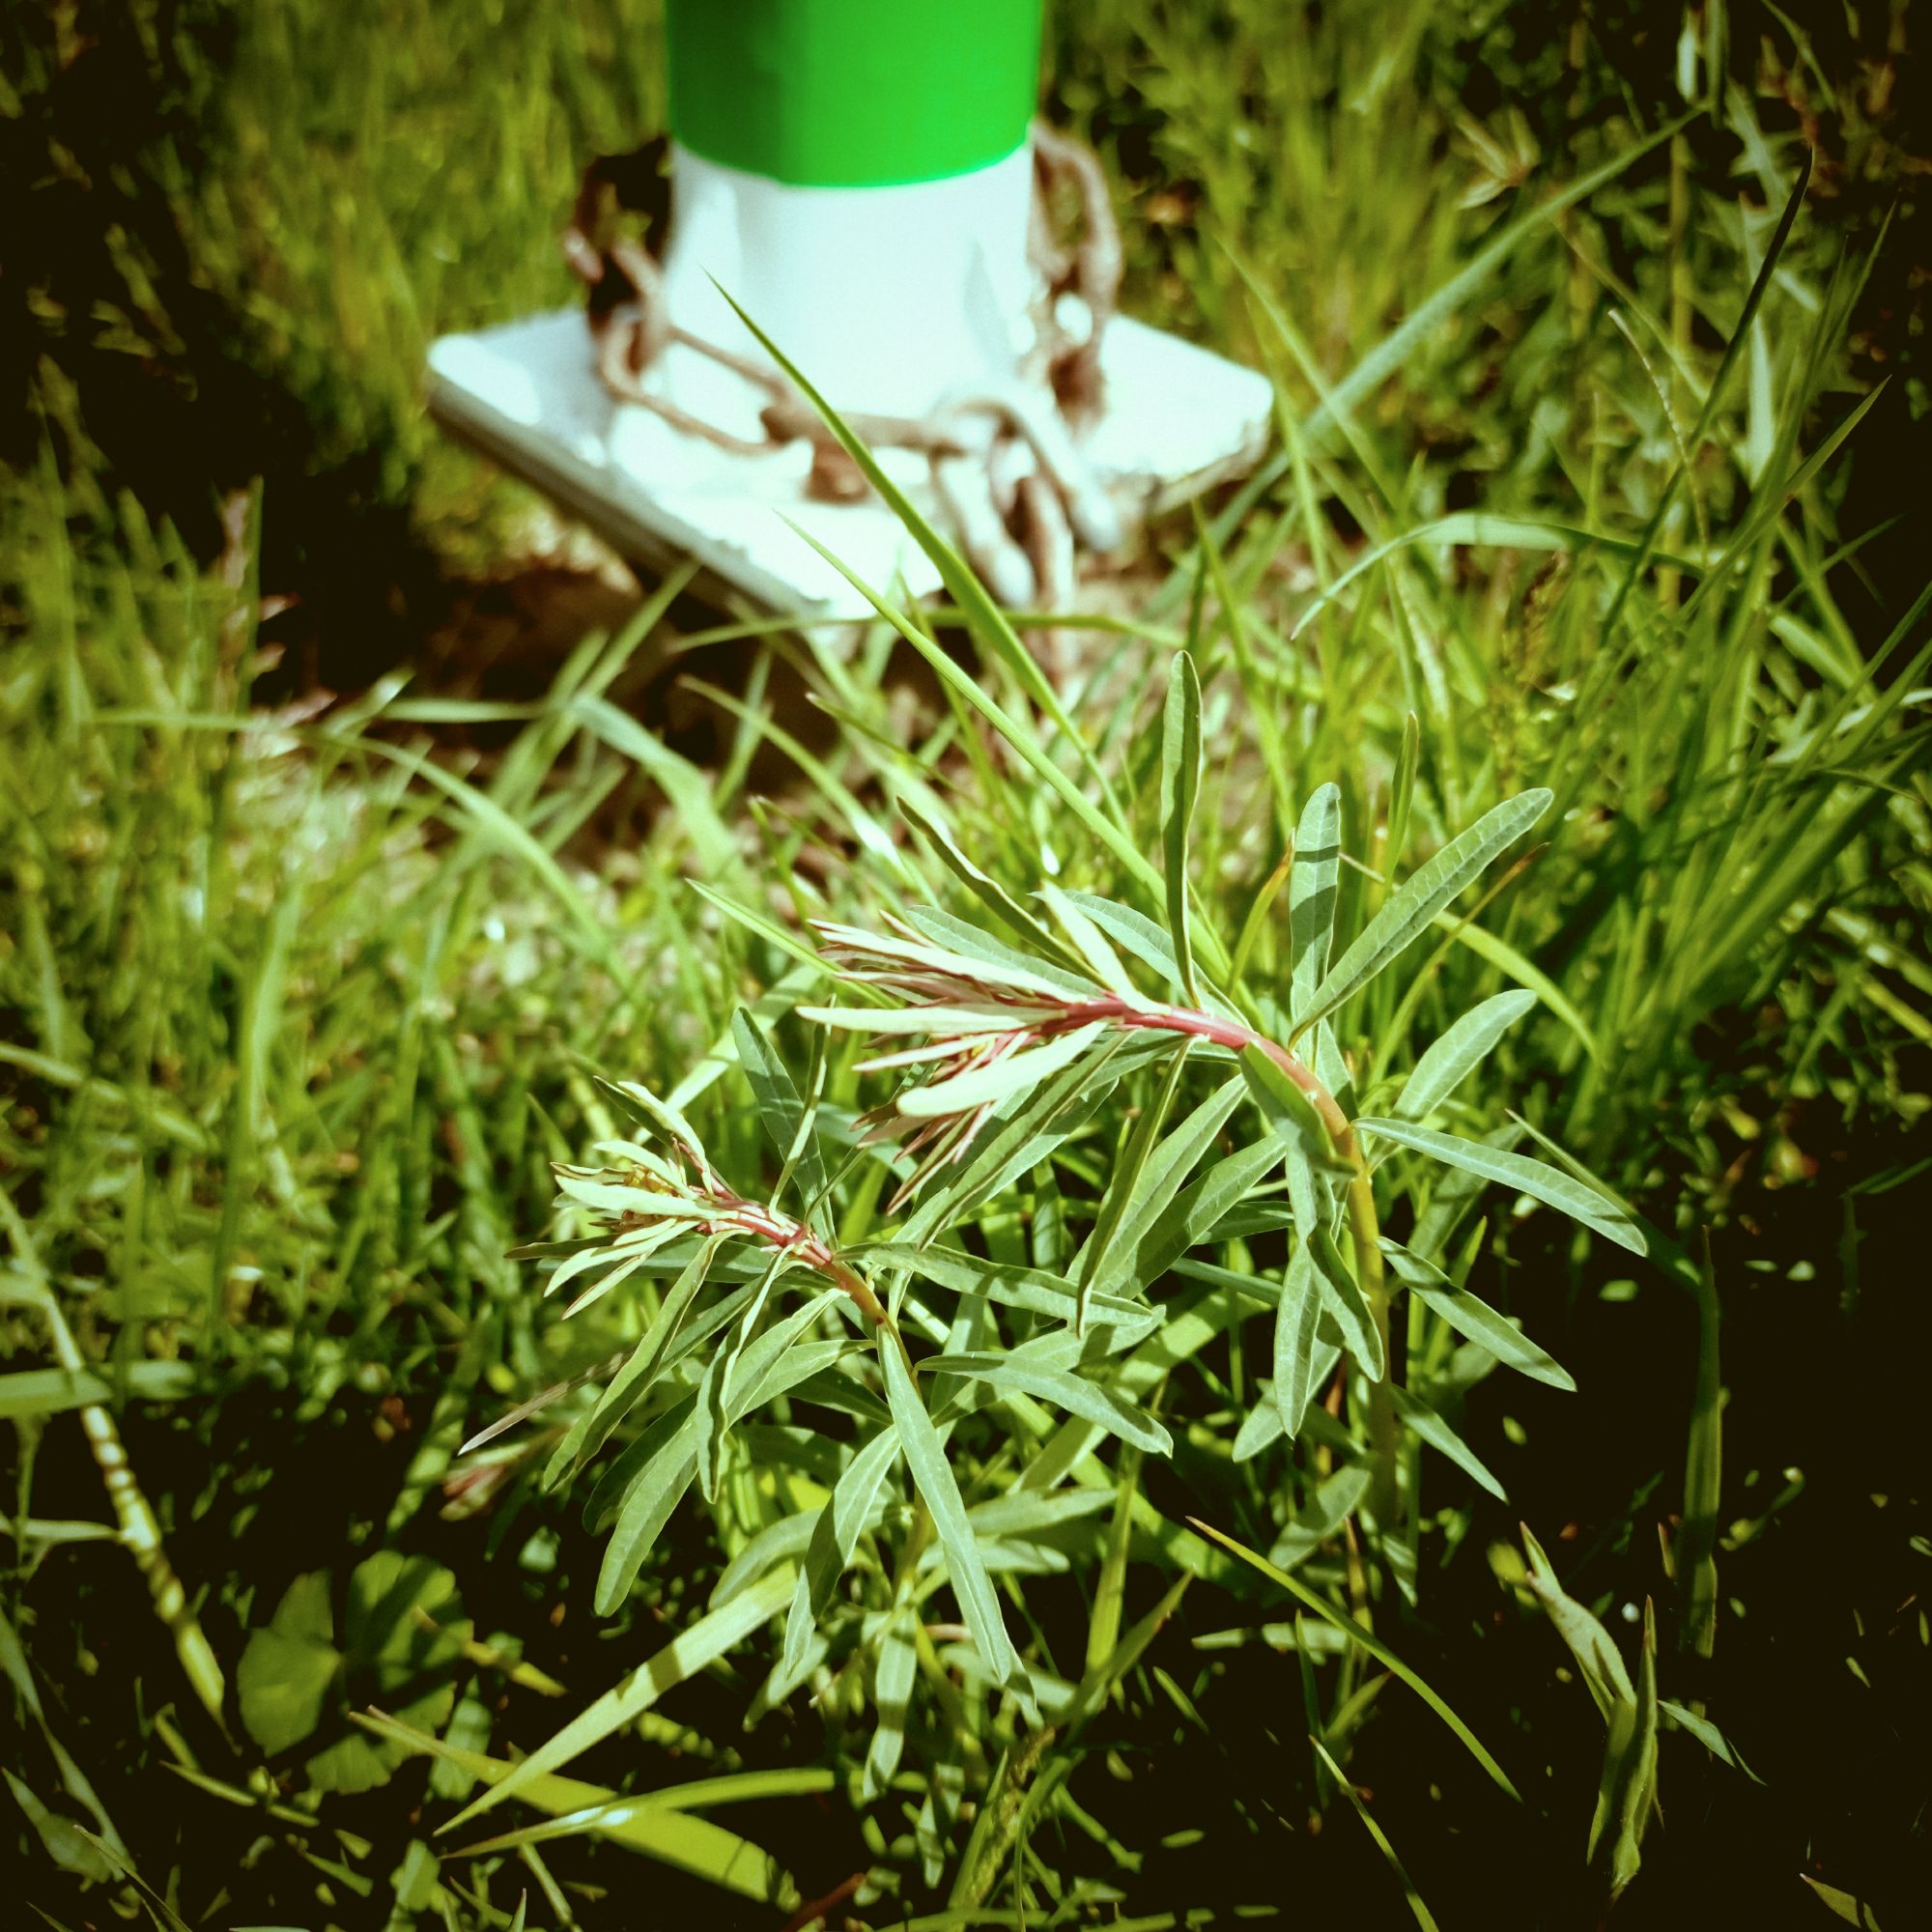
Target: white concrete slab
x: 1178, y: 419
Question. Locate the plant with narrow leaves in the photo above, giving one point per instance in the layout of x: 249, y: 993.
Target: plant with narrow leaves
x: 1085, y: 1065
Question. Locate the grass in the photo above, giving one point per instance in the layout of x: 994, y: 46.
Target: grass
x: 302, y: 999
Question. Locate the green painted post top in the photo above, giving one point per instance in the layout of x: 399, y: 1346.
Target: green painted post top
x: 853, y: 92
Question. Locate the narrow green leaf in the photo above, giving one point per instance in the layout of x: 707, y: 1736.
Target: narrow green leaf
x: 835, y: 1533
x: 932, y: 1477
x: 1597, y: 1659
x: 1299, y: 1135
x: 1201, y: 1206
x: 1134, y: 932
x: 1402, y: 794
x: 1635, y: 1776
x: 1336, y: 1497
x: 1534, y: 1177
x: 1475, y: 1319
x: 1179, y: 783
x: 1296, y: 1317
x: 1411, y: 908
x: 1438, y: 1434
x: 1089, y: 942
x: 780, y: 1110
x: 1123, y: 1182
x: 956, y: 935
x: 1842, y: 1904
x: 1459, y: 1052
x: 893, y: 1674
x: 1312, y: 884
x: 1343, y: 1297
x: 1710, y: 1737
x: 1073, y: 1393
x: 1481, y: 529
x: 984, y: 887
x: 1005, y: 1282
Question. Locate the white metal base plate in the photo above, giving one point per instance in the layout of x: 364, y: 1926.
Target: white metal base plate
x: 1178, y: 419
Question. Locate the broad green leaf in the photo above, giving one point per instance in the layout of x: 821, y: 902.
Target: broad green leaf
x: 402, y: 1636
x: 1534, y: 1177
x: 1475, y: 1319
x: 70, y: 1847
x: 691, y: 1651
x: 1311, y: 882
x: 1018, y: 1073
x: 1460, y: 1051
x: 834, y: 1532
x: 287, y: 1670
x: 1438, y: 1434
x: 1180, y: 782
x: 933, y: 1476
x: 403, y: 1641
x: 1371, y: 1644
x: 1073, y: 1393
x: 1406, y: 915
x: 1296, y: 1319
x: 780, y: 1110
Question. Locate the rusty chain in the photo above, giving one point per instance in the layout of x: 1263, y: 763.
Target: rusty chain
x: 1003, y: 456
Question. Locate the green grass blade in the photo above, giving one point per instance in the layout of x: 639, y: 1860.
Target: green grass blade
x: 1369, y: 1643
x: 691, y: 1651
